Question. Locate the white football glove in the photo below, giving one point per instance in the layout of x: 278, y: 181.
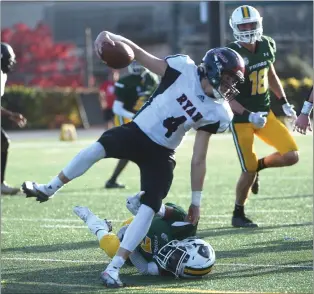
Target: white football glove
x: 259, y: 119
x: 289, y: 111
x: 133, y: 203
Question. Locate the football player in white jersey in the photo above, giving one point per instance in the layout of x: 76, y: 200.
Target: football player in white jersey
x: 189, y: 96
x: 7, y: 63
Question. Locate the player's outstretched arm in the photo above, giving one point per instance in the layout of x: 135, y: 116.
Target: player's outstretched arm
x: 198, y: 171
x: 303, y: 122
x: 259, y: 119
x: 153, y: 63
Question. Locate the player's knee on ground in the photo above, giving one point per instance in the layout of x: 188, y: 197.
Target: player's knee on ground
x: 110, y: 243
x: 291, y: 157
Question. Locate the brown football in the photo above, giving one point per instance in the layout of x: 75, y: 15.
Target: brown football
x: 118, y: 56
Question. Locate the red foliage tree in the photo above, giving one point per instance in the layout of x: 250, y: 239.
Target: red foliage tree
x: 40, y: 61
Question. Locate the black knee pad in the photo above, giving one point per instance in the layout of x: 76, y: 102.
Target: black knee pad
x: 152, y: 201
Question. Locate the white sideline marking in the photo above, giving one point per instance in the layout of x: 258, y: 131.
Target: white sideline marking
x: 217, y: 264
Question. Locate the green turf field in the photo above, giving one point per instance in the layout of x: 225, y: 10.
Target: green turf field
x: 47, y: 249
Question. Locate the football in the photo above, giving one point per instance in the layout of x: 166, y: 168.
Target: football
x: 118, y: 56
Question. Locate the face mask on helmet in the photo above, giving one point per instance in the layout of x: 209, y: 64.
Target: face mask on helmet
x: 246, y: 24
x: 136, y: 69
x: 227, y: 88
x: 189, y: 258
x: 224, y: 68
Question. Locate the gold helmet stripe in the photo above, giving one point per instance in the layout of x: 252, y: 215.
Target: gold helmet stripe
x: 197, y: 272
x: 245, y: 11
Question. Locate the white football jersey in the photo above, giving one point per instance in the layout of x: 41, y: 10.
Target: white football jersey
x: 3, y: 81
x: 179, y: 104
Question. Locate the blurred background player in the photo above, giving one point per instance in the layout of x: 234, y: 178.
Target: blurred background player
x: 303, y: 122
x: 258, y: 51
x: 7, y: 63
x: 132, y: 91
x: 107, y: 97
x: 158, y: 253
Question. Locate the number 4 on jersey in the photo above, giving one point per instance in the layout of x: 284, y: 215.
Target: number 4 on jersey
x: 172, y: 124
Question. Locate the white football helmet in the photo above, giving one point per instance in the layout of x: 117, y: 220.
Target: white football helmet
x: 189, y: 258
x: 136, y: 69
x: 242, y: 15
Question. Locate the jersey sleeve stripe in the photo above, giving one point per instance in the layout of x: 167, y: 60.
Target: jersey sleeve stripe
x: 210, y: 128
x: 172, y: 56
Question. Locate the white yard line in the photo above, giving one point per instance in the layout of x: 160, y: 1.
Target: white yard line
x: 211, y: 222
x: 204, y: 222
x: 217, y: 264
x: 122, y: 220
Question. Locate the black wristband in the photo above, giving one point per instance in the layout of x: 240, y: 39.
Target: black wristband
x: 282, y: 100
x: 246, y: 114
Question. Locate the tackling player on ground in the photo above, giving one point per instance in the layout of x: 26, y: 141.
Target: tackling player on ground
x: 303, y: 121
x: 7, y: 63
x: 188, y: 96
x: 258, y: 52
x: 170, y: 245
x: 132, y: 91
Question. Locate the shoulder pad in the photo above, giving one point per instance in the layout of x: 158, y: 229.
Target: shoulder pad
x: 271, y: 42
x: 179, y: 61
x: 234, y: 45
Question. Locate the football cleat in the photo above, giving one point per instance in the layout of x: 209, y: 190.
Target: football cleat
x: 255, y: 186
x: 93, y: 222
x: 111, y: 279
x: 32, y: 189
x: 242, y: 222
x: 8, y: 190
x: 114, y: 185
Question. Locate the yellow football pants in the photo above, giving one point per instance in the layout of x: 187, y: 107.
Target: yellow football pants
x: 120, y: 120
x: 110, y: 243
x: 274, y: 133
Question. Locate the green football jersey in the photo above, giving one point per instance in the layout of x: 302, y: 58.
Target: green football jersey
x: 163, y: 231
x: 134, y: 90
x: 254, y: 92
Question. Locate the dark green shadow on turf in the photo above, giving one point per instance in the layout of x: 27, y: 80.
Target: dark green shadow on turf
x: 266, y: 248
x: 74, y: 279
